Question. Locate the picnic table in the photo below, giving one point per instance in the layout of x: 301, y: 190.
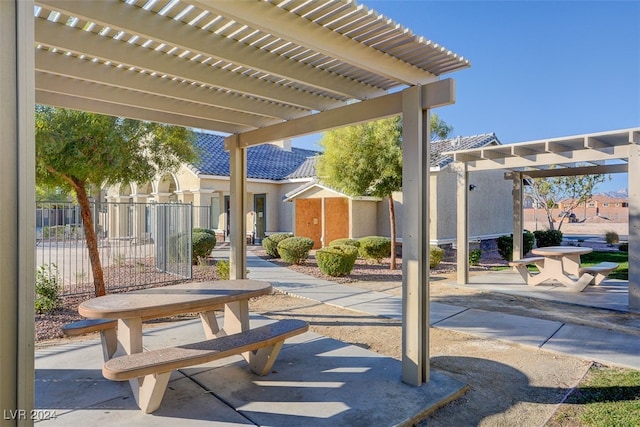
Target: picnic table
x: 131, y: 308
x: 562, y: 264
x: 149, y: 372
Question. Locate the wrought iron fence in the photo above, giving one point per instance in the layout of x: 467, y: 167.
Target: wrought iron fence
x: 138, y: 244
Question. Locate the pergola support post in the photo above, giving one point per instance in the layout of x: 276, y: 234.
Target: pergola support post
x: 634, y: 223
x: 462, y: 223
x: 17, y: 192
x: 238, y: 207
x: 518, y: 197
x: 415, y: 240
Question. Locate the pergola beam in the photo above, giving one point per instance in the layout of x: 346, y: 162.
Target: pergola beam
x: 118, y: 15
x: 578, y: 170
x: 130, y: 111
x: 92, y: 45
x: 436, y: 94
x: 277, y: 21
x: 476, y: 163
x: 114, y: 95
x: 108, y: 75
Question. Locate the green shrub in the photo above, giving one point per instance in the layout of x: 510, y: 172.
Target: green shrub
x: 374, y: 247
x: 202, y: 244
x: 295, y: 250
x: 47, y: 288
x: 204, y: 230
x: 505, y: 244
x: 436, y: 255
x: 546, y: 238
x: 611, y: 237
x: 349, y: 242
x: 222, y: 269
x: 474, y: 256
x: 624, y: 247
x: 270, y: 243
x: 337, y: 260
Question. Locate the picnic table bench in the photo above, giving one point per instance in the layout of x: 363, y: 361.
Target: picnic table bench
x: 152, y: 369
x: 601, y: 271
x: 149, y: 372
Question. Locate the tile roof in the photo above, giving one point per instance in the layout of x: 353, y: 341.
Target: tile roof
x: 272, y: 162
x: 265, y: 161
x: 458, y: 143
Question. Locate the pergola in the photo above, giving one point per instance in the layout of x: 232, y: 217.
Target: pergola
x: 615, y: 151
x: 259, y: 71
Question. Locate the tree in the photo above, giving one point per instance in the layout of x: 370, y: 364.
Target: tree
x: 78, y: 150
x: 571, y: 191
x: 367, y: 160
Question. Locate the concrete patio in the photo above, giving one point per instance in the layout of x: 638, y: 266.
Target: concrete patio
x: 316, y: 380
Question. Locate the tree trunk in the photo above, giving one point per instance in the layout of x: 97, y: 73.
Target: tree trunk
x: 90, y: 235
x: 392, y: 225
x: 550, y: 219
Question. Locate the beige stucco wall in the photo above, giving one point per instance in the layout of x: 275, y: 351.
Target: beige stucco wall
x: 490, y: 207
x: 363, y: 218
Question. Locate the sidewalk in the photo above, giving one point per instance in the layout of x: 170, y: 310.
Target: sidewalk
x: 589, y: 343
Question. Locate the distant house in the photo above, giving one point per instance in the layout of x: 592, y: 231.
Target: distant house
x: 613, y: 207
x: 285, y: 194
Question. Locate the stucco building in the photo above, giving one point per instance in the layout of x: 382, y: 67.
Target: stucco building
x: 284, y: 195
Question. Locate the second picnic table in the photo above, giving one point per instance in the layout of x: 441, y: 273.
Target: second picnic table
x: 560, y: 263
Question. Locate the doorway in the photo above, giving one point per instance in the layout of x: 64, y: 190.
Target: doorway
x: 260, y: 218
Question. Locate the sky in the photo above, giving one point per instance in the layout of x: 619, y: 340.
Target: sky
x: 539, y: 69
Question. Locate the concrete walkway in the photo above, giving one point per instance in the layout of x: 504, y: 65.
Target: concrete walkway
x: 316, y: 380
x: 590, y: 343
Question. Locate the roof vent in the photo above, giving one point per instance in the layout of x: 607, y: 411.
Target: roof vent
x: 456, y: 142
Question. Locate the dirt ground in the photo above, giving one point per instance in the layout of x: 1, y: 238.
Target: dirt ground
x: 509, y: 384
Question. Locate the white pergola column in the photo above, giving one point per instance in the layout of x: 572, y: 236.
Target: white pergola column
x: 634, y: 224
x: 462, y: 223
x: 415, y: 238
x: 518, y: 197
x: 17, y: 210
x: 238, y: 207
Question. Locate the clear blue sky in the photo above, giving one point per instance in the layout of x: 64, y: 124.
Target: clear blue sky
x: 539, y: 69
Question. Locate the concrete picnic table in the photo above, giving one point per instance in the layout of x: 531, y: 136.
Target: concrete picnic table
x: 560, y: 264
x: 131, y: 308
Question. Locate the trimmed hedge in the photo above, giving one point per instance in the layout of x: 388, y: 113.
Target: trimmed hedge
x: 374, y: 247
x: 349, y: 242
x: 546, y: 238
x: 505, y: 244
x: 337, y: 260
x: 436, y: 255
x: 204, y: 230
x: 295, y: 250
x: 270, y: 243
x: 202, y: 244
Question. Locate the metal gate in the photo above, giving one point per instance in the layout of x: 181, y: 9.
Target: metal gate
x: 139, y: 244
x: 173, y: 245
